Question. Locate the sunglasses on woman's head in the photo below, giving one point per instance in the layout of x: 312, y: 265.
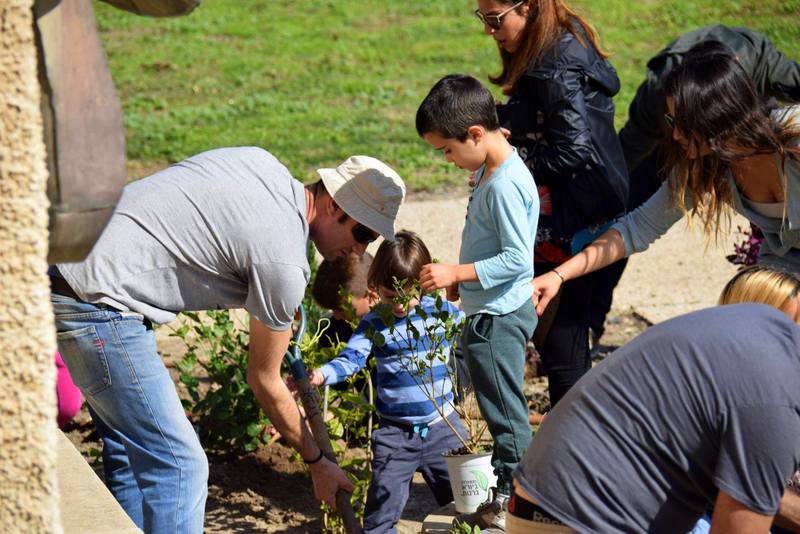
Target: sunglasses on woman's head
x: 362, y: 234
x: 496, y: 21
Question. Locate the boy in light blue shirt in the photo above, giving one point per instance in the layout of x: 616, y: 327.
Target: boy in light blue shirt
x: 493, y: 277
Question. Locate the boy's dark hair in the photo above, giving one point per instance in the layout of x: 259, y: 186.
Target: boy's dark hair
x: 455, y: 103
x: 401, y: 258
x: 347, y: 274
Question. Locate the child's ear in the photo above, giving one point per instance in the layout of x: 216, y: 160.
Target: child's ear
x: 476, y: 133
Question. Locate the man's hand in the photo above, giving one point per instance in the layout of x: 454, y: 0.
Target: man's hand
x: 328, y: 478
x: 545, y: 288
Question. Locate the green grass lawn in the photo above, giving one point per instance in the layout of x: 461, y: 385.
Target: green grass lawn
x: 314, y: 81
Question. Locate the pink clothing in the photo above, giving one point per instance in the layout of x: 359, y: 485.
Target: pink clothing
x: 67, y: 393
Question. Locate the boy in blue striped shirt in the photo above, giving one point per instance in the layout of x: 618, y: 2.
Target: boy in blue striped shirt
x: 495, y: 269
x: 412, y: 433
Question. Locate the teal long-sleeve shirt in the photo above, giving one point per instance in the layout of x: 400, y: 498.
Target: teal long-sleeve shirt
x: 498, y: 237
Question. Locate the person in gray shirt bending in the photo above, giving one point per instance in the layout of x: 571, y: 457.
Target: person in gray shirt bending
x: 227, y: 228
x: 699, y: 410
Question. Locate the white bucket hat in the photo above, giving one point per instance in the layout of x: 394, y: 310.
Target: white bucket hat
x: 367, y: 190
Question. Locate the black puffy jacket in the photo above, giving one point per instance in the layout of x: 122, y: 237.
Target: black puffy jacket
x: 561, y: 117
x: 773, y: 73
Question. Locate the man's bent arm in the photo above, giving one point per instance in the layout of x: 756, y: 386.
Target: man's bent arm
x: 732, y: 517
x: 788, y: 516
x: 267, y: 349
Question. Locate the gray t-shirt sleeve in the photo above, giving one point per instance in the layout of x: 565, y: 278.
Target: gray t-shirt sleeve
x: 275, y: 290
x: 758, y: 453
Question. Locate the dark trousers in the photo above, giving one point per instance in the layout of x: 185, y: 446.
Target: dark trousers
x: 565, y: 352
x: 644, y: 181
x: 397, y: 453
x: 602, y: 295
x: 494, y: 349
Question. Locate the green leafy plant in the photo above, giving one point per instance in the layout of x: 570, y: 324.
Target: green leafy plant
x: 464, y: 528
x: 348, y: 414
x: 214, y: 371
x: 221, y: 403
x: 442, y: 330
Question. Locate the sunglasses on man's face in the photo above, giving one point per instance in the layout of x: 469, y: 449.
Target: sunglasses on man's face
x: 362, y: 234
x: 496, y: 21
x: 670, y: 120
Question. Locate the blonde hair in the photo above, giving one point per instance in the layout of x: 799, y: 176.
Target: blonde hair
x: 762, y: 285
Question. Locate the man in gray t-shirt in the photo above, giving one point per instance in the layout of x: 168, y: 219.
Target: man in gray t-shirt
x: 227, y: 228
x: 697, y: 411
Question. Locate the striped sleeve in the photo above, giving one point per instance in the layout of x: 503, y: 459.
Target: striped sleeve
x: 352, y: 359
x: 405, y: 392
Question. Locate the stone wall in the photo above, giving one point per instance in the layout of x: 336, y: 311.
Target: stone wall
x: 28, y: 501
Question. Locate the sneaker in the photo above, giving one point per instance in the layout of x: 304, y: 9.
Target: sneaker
x: 491, y: 514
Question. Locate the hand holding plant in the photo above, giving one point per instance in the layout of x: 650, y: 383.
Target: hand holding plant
x: 435, y: 276
x: 438, y: 275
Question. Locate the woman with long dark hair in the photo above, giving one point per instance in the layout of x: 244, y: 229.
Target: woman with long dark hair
x: 730, y: 151
x: 561, y: 117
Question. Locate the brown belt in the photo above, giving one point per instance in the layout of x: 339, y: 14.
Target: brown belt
x: 59, y: 286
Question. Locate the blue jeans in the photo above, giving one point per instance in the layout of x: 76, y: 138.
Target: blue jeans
x: 153, y: 461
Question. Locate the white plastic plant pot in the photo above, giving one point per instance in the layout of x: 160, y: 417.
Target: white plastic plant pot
x: 471, y: 476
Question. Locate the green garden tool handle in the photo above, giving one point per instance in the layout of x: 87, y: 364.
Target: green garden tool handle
x: 311, y: 403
